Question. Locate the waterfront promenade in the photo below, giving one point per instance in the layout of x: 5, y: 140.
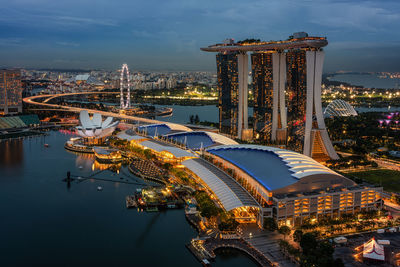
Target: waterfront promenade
x: 267, y: 243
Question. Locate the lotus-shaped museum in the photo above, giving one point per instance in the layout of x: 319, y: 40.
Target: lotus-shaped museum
x: 95, y: 127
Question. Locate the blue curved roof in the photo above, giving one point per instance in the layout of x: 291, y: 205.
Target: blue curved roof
x: 151, y: 130
x: 264, y: 166
x: 194, y: 140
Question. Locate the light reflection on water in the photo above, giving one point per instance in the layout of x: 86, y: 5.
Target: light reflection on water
x: 80, y: 226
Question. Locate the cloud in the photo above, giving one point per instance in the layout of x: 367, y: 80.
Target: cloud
x: 364, y: 16
x: 358, y: 45
x: 80, y: 20
x: 71, y: 44
x: 11, y: 42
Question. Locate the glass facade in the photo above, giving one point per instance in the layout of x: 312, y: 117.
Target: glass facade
x: 296, y: 98
x: 261, y: 65
x: 10, y: 91
x: 228, y: 88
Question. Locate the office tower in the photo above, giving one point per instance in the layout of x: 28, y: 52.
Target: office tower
x: 10, y: 92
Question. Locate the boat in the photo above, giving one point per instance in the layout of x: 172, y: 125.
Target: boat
x: 99, y: 188
x: 46, y: 145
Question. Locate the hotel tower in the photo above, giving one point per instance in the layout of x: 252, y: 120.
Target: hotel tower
x: 287, y: 93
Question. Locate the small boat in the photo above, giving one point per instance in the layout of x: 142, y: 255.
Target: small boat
x: 46, y: 145
x: 80, y: 167
x: 99, y: 188
x: 80, y: 178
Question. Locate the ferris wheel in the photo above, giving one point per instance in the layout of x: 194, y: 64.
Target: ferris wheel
x: 125, y: 85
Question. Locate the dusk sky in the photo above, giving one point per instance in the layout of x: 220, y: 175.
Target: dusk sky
x: 167, y: 35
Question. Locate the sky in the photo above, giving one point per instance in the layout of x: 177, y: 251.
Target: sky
x: 167, y: 34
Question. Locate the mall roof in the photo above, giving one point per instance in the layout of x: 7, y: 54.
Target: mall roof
x: 200, y: 139
x: 125, y: 135
x: 228, y: 191
x: 177, y: 152
x: 162, y: 128
x: 273, y: 167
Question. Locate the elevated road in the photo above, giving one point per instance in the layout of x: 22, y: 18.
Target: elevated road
x: 35, y: 100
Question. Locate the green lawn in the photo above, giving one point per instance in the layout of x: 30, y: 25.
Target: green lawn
x: 389, y: 179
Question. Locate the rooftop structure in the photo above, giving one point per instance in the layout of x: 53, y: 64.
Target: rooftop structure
x: 339, y: 108
x: 197, y: 140
x: 227, y: 190
x: 288, y: 171
x: 252, y: 46
x: 159, y: 129
x: 95, y: 127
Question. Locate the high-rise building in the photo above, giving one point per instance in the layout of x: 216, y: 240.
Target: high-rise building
x: 287, y: 92
x: 261, y: 65
x: 296, y: 95
x: 228, y: 91
x: 10, y: 92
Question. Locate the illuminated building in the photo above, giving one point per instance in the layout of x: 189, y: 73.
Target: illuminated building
x: 339, y: 108
x: 291, y: 187
x: 256, y: 182
x: 296, y: 94
x: 227, y: 75
x: 10, y: 92
x: 297, y: 119
x: 263, y: 95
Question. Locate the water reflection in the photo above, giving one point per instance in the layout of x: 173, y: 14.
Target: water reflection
x: 11, y: 156
x: 88, y: 162
x: 97, y: 166
x: 84, y: 161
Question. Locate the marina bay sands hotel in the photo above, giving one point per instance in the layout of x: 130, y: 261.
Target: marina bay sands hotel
x: 286, y: 78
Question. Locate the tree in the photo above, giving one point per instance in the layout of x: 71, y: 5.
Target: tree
x: 308, y: 242
x: 284, y: 230
x: 338, y: 262
x: 148, y: 154
x: 297, y: 235
x: 167, y: 166
x: 270, y: 224
x: 196, y: 119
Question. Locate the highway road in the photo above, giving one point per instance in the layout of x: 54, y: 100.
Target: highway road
x: 34, y: 100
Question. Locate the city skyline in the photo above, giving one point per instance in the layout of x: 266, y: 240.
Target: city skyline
x: 166, y: 36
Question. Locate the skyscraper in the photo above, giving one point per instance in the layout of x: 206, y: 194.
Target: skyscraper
x: 296, y: 96
x: 227, y: 82
x: 261, y: 65
x: 287, y: 79
x: 10, y: 92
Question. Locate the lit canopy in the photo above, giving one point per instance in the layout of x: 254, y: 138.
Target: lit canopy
x: 373, y: 250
